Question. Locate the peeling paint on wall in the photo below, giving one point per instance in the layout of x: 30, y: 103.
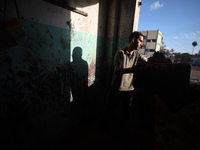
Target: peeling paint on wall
x: 31, y: 69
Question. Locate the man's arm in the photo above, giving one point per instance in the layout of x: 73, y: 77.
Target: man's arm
x: 119, y: 70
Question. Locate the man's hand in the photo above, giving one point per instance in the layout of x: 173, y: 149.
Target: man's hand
x: 139, y: 67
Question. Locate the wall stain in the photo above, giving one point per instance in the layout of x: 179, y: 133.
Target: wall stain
x: 69, y: 23
x: 63, y: 42
x: 47, y: 31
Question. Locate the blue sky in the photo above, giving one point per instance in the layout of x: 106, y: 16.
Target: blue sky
x: 178, y: 20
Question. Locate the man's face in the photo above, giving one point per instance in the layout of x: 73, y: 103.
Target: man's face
x: 138, y: 42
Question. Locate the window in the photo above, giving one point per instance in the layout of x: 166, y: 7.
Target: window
x: 150, y: 50
x: 151, y: 40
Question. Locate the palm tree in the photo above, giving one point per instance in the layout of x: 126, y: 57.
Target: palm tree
x: 194, y: 44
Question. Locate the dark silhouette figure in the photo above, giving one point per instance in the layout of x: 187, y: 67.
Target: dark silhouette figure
x: 79, y: 87
x: 79, y: 76
x: 158, y: 58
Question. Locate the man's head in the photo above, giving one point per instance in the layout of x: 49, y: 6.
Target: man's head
x: 77, y: 53
x: 137, y: 39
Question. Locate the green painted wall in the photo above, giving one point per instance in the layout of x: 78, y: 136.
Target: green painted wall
x: 36, y: 69
x: 35, y: 78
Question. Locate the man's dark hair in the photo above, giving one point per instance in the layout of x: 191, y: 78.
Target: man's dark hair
x: 135, y: 34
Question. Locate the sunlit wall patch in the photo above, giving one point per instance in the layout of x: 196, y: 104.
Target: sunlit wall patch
x: 84, y: 33
x: 87, y: 44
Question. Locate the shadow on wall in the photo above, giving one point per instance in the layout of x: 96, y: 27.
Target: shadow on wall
x: 78, y: 87
x: 35, y: 84
x: 78, y: 76
x: 36, y: 76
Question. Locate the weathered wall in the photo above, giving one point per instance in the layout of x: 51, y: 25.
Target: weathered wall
x: 35, y: 66
x: 36, y: 58
x: 33, y: 91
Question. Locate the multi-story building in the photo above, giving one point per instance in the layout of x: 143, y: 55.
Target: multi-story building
x: 152, y: 42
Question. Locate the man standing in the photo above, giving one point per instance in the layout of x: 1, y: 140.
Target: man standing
x: 122, y: 90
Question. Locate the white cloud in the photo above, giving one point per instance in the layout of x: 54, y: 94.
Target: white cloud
x: 175, y: 37
x: 198, y: 31
x: 186, y: 35
x: 190, y: 35
x: 156, y: 5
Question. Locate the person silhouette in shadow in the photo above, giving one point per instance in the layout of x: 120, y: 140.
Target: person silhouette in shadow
x: 78, y: 76
x: 79, y: 87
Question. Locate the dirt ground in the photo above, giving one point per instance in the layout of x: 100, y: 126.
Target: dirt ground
x: 195, y: 74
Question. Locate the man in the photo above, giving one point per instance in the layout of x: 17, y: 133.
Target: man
x: 122, y: 90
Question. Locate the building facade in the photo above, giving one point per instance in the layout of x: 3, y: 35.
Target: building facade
x: 152, y: 42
